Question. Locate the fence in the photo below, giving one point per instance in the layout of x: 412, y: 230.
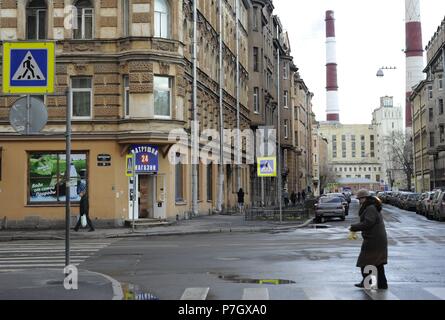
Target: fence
x: 292, y: 213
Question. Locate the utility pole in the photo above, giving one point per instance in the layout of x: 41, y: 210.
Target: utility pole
x: 68, y: 178
x: 221, y: 114
x: 195, y: 127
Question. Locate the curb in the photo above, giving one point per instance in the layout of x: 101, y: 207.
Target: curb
x: 118, y: 293
x: 163, y: 233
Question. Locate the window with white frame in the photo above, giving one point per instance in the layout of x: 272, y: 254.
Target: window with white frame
x: 256, y: 100
x: 126, y: 96
x: 162, y: 19
x: 85, y: 20
x: 81, y: 97
x: 430, y: 92
x: 36, y: 20
x: 286, y: 99
x: 162, y: 97
x: 286, y: 128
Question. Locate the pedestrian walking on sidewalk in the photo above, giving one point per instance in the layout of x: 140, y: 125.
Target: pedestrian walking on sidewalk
x: 374, y: 251
x: 286, y: 198
x: 303, y: 196
x: 84, y: 209
x: 299, y: 196
x: 241, y: 200
x: 293, y: 198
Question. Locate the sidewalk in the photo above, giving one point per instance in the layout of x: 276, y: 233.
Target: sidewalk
x: 35, y: 284
x: 197, y: 225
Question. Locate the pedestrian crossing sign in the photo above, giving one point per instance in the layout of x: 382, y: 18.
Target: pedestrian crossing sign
x: 28, y: 67
x: 267, y: 167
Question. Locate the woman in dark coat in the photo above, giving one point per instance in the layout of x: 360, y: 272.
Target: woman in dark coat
x: 374, y: 251
x: 84, y: 209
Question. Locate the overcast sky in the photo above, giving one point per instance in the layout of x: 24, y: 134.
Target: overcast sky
x: 370, y: 34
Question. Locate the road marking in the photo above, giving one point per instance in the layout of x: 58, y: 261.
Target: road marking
x: 319, y: 294
x: 35, y: 265
x: 255, y: 294
x: 438, y: 292
x: 195, y: 294
x: 40, y: 257
x: 380, y: 295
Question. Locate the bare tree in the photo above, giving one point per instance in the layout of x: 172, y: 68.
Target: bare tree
x: 399, y: 149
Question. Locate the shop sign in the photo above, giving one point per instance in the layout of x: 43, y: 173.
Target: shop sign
x: 146, y: 158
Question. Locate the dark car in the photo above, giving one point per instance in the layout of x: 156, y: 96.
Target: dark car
x: 410, y: 201
x: 330, y: 207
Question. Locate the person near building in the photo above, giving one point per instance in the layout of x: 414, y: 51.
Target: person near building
x: 299, y: 196
x: 293, y: 198
x: 241, y: 200
x: 374, y: 250
x: 303, y: 196
x: 84, y: 209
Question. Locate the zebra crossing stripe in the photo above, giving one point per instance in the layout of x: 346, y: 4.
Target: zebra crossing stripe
x: 255, y: 294
x: 438, y: 292
x: 195, y: 294
x: 319, y: 294
x: 380, y: 295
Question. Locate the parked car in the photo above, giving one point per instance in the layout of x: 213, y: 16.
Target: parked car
x: 439, y: 207
x: 410, y: 201
x: 419, y: 203
x: 330, y: 207
x: 434, y: 203
x: 345, y: 200
x: 426, y: 203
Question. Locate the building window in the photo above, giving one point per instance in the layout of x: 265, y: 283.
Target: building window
x: 162, y: 99
x: 256, y: 100
x: 432, y: 139
x: 368, y: 177
x: 285, y: 71
x: 377, y: 178
x: 363, y: 146
x: 85, y: 20
x: 162, y: 19
x: 334, y: 146
x: 126, y: 18
x: 430, y: 92
x: 256, y: 63
x: 343, y: 145
x: 255, y: 19
x: 440, y: 82
x: 179, y: 180
x: 36, y: 20
x: 127, y: 96
x: 440, y: 103
x: 209, y: 182
x: 81, y: 97
x: 442, y: 133
x: 431, y: 114
x: 46, y: 176
x: 286, y: 129
x: 286, y: 99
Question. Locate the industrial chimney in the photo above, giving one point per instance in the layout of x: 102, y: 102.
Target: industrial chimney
x: 414, y: 53
x: 332, y: 106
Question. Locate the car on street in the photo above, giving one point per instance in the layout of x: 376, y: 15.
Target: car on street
x: 425, y: 203
x: 330, y: 207
x: 345, y: 202
x: 434, y: 203
x: 439, y: 207
x: 410, y: 201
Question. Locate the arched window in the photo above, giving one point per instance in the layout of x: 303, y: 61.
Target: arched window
x: 162, y: 19
x: 85, y: 20
x: 36, y: 20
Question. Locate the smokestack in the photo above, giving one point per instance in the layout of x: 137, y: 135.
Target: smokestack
x: 414, y: 53
x: 332, y: 107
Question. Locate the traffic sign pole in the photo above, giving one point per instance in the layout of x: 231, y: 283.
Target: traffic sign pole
x: 134, y: 190
x: 28, y: 112
x: 68, y: 178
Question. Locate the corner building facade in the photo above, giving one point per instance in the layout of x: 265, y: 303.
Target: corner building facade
x: 129, y: 70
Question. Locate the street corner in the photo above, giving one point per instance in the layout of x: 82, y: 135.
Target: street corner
x: 58, y: 284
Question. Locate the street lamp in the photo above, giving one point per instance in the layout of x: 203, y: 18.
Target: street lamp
x: 380, y: 73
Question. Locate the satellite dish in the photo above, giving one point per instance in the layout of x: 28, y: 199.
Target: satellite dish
x: 28, y: 122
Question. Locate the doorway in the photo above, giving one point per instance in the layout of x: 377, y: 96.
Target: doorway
x: 151, y: 195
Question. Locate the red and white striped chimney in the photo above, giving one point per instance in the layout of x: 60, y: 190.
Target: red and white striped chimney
x: 332, y: 106
x: 414, y: 53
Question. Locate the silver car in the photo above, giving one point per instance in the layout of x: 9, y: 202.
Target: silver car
x: 330, y: 207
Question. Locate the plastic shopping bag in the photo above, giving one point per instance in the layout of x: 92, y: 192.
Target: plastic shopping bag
x: 83, y: 220
x: 352, y: 235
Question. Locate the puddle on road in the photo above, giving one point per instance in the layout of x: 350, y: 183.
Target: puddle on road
x: 237, y: 279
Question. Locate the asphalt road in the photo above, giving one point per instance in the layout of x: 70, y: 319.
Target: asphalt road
x: 301, y: 264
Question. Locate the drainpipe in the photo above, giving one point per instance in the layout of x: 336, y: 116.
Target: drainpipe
x: 221, y: 114
x: 194, y: 128
x: 238, y: 137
